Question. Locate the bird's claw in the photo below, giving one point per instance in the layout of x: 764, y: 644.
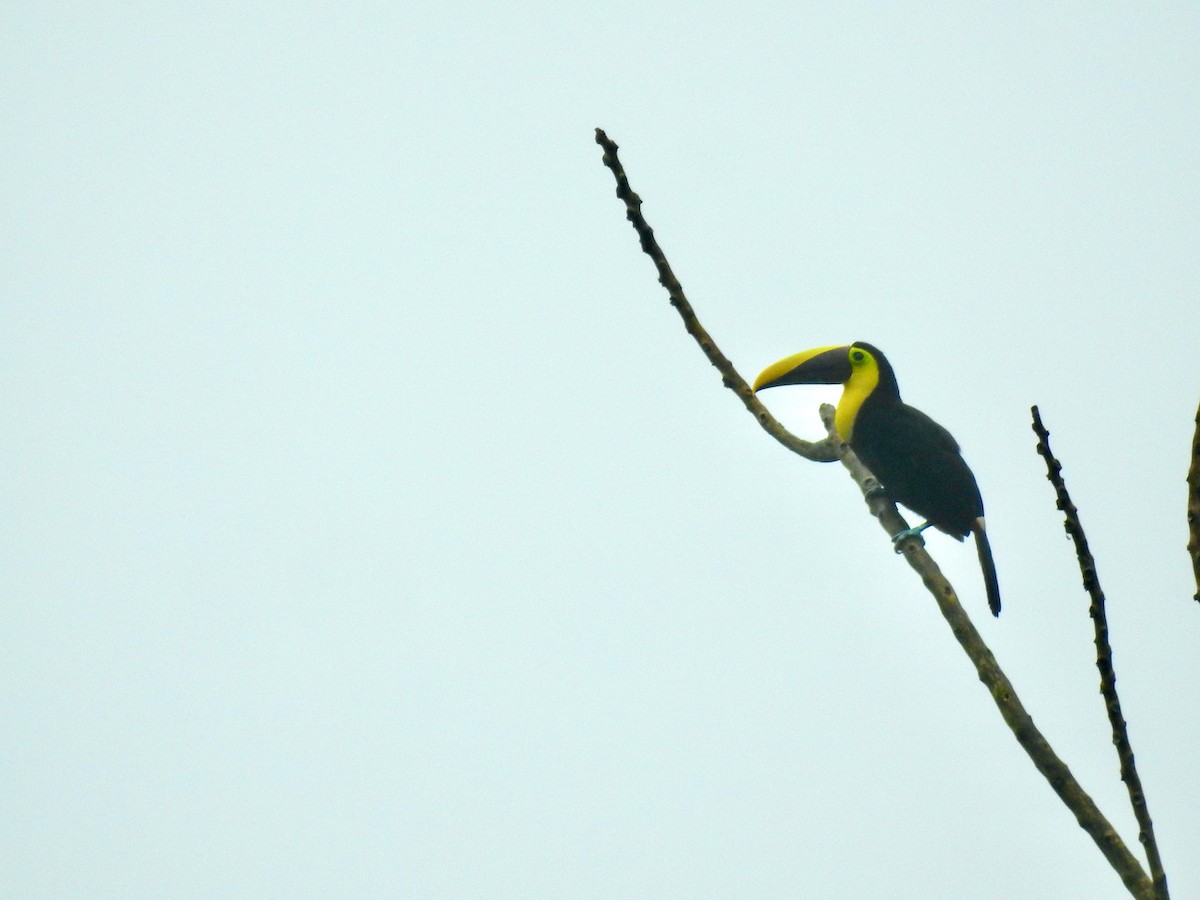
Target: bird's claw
x: 907, y: 533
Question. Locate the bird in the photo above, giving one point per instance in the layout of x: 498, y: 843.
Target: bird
x: 917, y: 462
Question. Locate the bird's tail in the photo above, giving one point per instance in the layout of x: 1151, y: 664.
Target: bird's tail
x: 989, y: 567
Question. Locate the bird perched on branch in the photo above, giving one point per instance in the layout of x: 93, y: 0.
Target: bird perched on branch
x: 916, y: 460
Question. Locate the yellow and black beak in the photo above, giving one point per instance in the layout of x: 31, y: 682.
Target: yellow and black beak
x: 823, y: 365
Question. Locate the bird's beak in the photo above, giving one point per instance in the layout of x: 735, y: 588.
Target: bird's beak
x: 824, y: 365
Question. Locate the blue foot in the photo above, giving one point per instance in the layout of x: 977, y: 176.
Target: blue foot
x: 907, y: 532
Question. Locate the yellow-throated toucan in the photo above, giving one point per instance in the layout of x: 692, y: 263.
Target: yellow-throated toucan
x: 916, y: 460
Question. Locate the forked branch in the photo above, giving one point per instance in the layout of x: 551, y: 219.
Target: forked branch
x: 1031, y: 739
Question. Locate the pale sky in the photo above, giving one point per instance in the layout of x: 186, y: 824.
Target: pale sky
x: 375, y: 530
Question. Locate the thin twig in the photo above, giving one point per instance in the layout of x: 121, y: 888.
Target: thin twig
x: 820, y: 451
x: 1089, y: 816
x: 1193, y: 508
x: 1104, y: 657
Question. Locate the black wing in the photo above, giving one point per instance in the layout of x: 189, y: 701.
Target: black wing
x: 919, y: 465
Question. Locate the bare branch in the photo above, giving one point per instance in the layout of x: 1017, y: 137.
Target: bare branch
x: 1104, y: 657
x: 1193, y: 508
x: 820, y: 451
x: 1031, y: 739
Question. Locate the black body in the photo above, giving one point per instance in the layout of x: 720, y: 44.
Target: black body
x: 916, y: 460
x: 918, y: 463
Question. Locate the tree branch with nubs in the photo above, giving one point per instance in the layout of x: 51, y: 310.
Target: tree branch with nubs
x: 1193, y: 507
x: 1056, y: 772
x: 1104, y: 657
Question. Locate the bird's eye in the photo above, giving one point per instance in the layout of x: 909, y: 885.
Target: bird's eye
x: 857, y: 356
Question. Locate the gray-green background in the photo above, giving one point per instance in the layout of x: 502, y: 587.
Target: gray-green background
x: 372, y: 528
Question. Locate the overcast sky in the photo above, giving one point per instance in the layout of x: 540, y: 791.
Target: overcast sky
x: 373, y: 529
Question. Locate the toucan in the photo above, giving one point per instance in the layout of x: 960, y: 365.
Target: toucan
x: 916, y: 460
